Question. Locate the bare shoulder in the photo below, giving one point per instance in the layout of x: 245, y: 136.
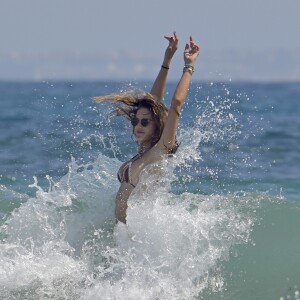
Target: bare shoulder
x: 155, y: 154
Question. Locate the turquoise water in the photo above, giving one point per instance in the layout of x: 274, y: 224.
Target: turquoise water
x: 221, y: 224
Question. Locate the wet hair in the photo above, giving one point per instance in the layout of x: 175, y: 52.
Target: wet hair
x: 127, y: 105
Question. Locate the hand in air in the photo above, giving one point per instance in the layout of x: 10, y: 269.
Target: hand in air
x: 191, y: 52
x: 172, y: 47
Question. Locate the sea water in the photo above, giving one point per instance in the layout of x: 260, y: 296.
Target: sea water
x: 220, y: 222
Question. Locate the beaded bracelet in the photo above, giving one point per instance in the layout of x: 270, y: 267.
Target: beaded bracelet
x: 189, y: 68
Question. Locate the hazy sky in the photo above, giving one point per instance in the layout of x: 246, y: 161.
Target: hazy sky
x: 34, y: 32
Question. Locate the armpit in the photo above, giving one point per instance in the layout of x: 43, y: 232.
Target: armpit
x: 173, y: 149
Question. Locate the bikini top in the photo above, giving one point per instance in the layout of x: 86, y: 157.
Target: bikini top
x: 124, y: 173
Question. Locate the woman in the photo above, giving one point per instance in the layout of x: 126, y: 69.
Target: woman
x: 154, y: 126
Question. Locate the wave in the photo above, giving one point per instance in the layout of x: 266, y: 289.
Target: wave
x: 64, y: 242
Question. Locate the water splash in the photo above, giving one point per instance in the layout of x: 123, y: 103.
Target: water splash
x: 63, y: 243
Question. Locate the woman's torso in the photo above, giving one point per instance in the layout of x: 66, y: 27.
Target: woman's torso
x: 129, y: 175
x: 130, y: 171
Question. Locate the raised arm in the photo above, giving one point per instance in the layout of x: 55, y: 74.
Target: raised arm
x: 159, y: 85
x: 168, y: 138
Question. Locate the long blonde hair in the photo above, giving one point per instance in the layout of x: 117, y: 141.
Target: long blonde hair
x: 127, y: 105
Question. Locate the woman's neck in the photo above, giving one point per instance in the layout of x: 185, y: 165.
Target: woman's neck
x: 144, y: 147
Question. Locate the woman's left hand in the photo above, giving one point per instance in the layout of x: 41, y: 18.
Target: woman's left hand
x: 191, y: 52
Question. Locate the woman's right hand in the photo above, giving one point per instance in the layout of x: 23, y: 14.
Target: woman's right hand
x: 171, y: 49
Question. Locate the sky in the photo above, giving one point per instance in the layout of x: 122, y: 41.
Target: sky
x: 117, y: 40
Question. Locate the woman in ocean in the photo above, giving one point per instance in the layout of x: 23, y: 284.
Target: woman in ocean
x: 154, y: 126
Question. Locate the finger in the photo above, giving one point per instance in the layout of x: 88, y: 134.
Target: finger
x: 191, y: 41
x: 170, y: 40
x: 175, y: 36
x: 196, y: 47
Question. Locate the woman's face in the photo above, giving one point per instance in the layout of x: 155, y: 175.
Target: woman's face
x: 142, y: 133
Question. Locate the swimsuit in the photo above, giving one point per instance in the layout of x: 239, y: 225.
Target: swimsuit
x: 124, y: 174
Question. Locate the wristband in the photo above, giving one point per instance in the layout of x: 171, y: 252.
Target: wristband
x: 164, y: 67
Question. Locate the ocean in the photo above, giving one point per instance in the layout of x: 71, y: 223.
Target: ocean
x: 221, y: 223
